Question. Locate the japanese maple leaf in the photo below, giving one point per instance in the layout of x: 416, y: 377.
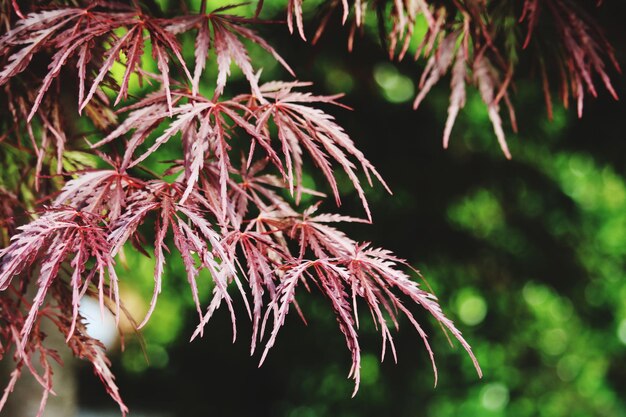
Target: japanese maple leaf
x: 61, y: 234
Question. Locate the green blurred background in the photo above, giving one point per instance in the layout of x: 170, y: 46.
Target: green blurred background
x: 527, y: 257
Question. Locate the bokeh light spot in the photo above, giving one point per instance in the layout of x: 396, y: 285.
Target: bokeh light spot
x: 395, y: 87
x: 621, y: 331
x: 534, y: 294
x: 554, y: 341
x: 494, y: 396
x: 471, y: 307
x: 100, y: 324
x: 473, y: 310
x: 568, y: 367
x: 369, y: 369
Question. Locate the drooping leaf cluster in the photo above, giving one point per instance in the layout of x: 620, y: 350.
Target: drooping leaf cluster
x: 479, y: 43
x: 231, y: 203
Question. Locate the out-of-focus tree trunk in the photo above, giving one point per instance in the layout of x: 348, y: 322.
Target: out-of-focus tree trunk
x: 26, y: 398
